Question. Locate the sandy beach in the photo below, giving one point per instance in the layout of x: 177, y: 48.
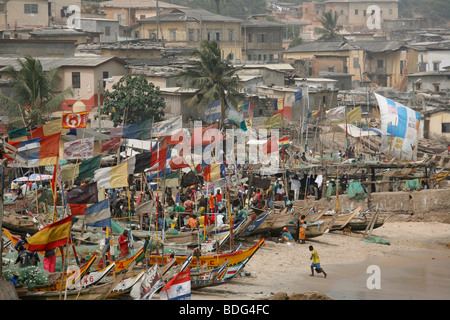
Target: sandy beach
x: 414, y: 266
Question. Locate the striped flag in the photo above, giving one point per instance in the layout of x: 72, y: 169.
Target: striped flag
x: 284, y: 142
x: 52, y: 236
x: 37, y: 152
x: 19, y: 134
x: 82, y: 170
x: 112, y: 177
x: 98, y: 214
x: 49, y: 128
x: 141, y: 131
x: 278, y: 105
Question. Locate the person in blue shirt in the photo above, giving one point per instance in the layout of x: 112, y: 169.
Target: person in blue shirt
x: 286, y: 235
x: 15, y: 280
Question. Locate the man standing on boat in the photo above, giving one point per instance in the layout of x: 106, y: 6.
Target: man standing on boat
x: 123, y: 242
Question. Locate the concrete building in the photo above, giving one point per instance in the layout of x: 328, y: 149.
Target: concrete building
x: 107, y: 29
x: 437, y: 125
x: 84, y: 74
x: 187, y: 28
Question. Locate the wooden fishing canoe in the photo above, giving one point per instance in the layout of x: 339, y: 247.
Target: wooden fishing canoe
x: 342, y: 219
x: 214, y: 260
x: 203, y: 278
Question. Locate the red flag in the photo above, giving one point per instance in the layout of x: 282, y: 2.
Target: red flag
x: 158, y: 157
x: 77, y: 209
x: 52, y: 236
x: 113, y: 144
x: 75, y: 120
x: 178, y: 163
x: 197, y: 134
x: 271, y: 145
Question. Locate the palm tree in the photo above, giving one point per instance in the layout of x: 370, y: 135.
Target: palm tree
x: 214, y: 78
x: 217, y: 2
x: 34, y: 90
x: 330, y: 30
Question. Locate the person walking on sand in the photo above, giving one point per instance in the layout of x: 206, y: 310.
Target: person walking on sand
x: 315, y: 262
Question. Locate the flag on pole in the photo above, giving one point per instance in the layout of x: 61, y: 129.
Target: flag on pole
x: 213, y: 111
x: 19, y: 134
x: 85, y: 194
x: 75, y: 120
x: 112, y: 177
x: 35, y: 152
x: 278, y: 105
x: 113, y: 144
x: 271, y: 145
x: 79, y: 149
x: 49, y: 128
x: 274, y: 122
x: 214, y: 172
x: 141, y: 131
x: 284, y: 142
x: 52, y: 236
x: 82, y: 170
x: 178, y: 288
x: 98, y: 214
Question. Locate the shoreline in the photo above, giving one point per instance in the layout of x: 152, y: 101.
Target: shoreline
x: 413, y: 267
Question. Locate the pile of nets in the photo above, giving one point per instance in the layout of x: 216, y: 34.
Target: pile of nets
x: 378, y: 240
x: 411, y: 185
x: 355, y: 190
x: 30, y: 276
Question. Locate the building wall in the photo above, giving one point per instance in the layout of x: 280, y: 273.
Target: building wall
x: 435, y: 127
x: 190, y: 34
x: 58, y: 5
x: 262, y: 48
x: 16, y: 16
x: 100, y: 25
x: 89, y: 81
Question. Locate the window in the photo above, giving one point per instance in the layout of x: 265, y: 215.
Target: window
x: 209, y: 35
x: 76, y: 80
x: 380, y: 63
x: 355, y: 62
x: 436, y: 88
x: 418, y: 85
x: 364, y: 13
x: 105, y: 76
x: 173, y: 35
x: 402, y: 66
x: 390, y: 12
x: 142, y: 16
x: 217, y: 36
x: 271, y: 57
x: 330, y: 68
x: 30, y: 8
x: 231, y: 35
x: 199, y: 35
x: 446, y: 127
x: 136, y: 34
x: 436, y: 66
x: 261, y: 38
x: 276, y: 38
x: 191, y: 34
x: 356, y: 12
x: 107, y: 31
x: 249, y: 37
x: 249, y: 57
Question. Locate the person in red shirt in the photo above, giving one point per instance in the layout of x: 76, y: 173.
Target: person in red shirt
x: 123, y: 242
x: 218, y: 197
x: 212, y: 205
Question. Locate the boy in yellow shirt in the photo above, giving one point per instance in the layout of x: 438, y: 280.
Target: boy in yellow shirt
x: 315, y: 262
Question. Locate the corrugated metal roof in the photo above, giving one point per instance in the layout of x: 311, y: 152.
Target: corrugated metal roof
x: 57, y: 62
x: 330, y: 46
x: 182, y: 14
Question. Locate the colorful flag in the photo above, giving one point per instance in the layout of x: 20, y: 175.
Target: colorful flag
x: 274, y: 122
x: 112, y: 177
x: 246, y: 124
x: 49, y: 128
x: 79, y: 149
x: 52, y: 236
x: 213, y: 111
x: 278, y: 105
x: 85, y: 194
x: 19, y: 134
x: 35, y: 152
x: 82, y: 170
x: 178, y: 288
x: 98, y: 214
x: 298, y: 95
x: 159, y: 158
x: 113, y: 144
x: 75, y: 120
x: 167, y: 127
x: 141, y: 131
x: 284, y: 142
x: 214, y: 172
x: 400, y: 127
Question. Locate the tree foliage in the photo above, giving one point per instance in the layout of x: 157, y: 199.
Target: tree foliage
x: 133, y: 100
x: 213, y: 77
x: 35, y: 92
x: 330, y: 28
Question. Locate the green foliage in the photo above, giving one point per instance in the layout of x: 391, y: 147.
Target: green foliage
x: 214, y: 78
x: 35, y: 91
x: 133, y: 100
x: 330, y: 29
x: 438, y: 10
x: 295, y: 42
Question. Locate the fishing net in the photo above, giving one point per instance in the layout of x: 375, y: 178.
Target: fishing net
x: 355, y: 190
x: 331, y: 191
x: 30, y: 276
x: 411, y: 185
x: 378, y: 240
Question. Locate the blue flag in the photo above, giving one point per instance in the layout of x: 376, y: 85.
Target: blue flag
x: 298, y: 95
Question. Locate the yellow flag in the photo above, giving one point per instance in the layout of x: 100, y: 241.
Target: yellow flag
x: 354, y: 115
x: 274, y: 122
